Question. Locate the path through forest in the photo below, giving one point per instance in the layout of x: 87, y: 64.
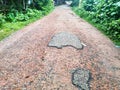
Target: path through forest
x: 27, y: 63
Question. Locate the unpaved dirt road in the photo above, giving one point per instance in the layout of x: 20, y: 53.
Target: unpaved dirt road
x: 27, y: 63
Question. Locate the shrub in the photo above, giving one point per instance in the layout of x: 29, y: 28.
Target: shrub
x: 104, y: 15
x: 75, y: 3
x: 88, y: 5
x: 2, y: 19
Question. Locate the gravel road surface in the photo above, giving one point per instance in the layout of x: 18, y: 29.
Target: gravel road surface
x: 27, y: 63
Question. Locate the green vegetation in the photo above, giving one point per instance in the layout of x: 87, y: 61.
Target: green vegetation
x: 15, y: 14
x: 103, y: 14
x: 74, y: 3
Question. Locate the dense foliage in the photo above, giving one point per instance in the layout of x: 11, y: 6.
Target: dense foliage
x: 75, y: 3
x: 21, y: 10
x: 104, y: 14
x: 16, y: 12
x: 59, y: 2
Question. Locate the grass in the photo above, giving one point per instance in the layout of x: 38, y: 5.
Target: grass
x: 8, y: 27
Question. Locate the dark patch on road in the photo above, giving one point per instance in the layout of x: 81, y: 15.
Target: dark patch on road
x: 80, y: 78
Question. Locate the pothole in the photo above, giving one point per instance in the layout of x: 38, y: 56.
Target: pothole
x: 64, y: 39
x: 81, y: 78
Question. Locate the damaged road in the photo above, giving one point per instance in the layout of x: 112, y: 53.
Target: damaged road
x: 27, y: 63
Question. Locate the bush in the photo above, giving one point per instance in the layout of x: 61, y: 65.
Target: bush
x: 2, y: 19
x: 16, y: 14
x: 104, y: 15
x: 114, y: 30
x: 88, y: 5
x: 75, y: 3
x: 37, y: 9
x: 44, y: 5
x: 34, y: 13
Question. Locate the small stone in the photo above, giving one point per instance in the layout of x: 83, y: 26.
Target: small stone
x: 64, y: 39
x: 80, y: 78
